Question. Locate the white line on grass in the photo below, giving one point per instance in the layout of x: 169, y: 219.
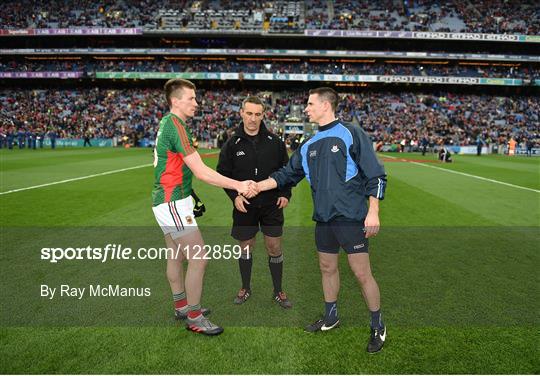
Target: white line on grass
x: 465, y: 174
x: 75, y: 179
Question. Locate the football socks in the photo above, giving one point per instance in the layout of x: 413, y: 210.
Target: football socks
x: 276, y: 270
x: 246, y: 263
x: 376, y: 319
x: 331, y: 315
x: 194, y: 311
x: 180, y: 300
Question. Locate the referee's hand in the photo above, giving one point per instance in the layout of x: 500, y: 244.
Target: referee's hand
x: 239, y: 203
x: 282, y: 202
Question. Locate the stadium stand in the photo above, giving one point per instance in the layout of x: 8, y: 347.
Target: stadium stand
x: 388, y: 117
x: 491, y: 16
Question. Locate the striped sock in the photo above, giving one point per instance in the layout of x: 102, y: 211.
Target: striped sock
x: 194, y: 311
x: 180, y: 301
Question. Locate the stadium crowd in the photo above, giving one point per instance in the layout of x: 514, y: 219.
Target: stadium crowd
x: 492, y: 16
x: 230, y: 65
x: 489, y: 16
x: 403, y: 119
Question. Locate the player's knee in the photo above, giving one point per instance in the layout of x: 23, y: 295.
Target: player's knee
x: 173, y: 277
x: 197, y: 263
x: 273, y: 250
x: 328, y: 267
x: 247, y: 245
x: 363, y: 276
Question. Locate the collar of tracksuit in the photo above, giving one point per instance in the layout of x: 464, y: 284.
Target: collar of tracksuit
x: 240, y: 132
x: 329, y: 126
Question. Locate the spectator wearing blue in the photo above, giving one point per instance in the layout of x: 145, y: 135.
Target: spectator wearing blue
x: 32, y: 139
x: 29, y: 137
x: 479, y: 144
x: 40, y: 137
x: 10, y: 137
x: 20, y: 137
x: 530, y: 145
x: 52, y: 136
x: 424, y: 143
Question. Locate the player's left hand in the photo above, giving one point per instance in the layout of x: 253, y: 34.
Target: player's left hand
x: 282, y: 202
x: 371, y: 224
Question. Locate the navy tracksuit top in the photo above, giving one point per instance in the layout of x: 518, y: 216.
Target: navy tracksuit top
x: 342, y: 169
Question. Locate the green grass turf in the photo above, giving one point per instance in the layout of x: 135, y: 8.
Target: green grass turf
x: 456, y: 261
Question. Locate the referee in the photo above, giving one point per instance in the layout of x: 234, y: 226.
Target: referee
x: 253, y: 153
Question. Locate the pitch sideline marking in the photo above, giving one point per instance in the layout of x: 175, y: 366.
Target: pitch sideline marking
x: 75, y: 179
x: 206, y: 155
x: 469, y: 175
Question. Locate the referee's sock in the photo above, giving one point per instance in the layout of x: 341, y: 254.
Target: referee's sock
x: 331, y: 315
x: 275, y: 263
x: 246, y: 263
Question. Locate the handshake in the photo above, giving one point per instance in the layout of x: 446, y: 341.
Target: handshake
x: 249, y: 188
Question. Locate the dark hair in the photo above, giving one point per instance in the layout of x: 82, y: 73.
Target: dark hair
x: 175, y: 84
x: 253, y: 99
x: 326, y: 94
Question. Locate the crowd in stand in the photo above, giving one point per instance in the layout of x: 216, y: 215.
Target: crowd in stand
x: 159, y: 65
x: 274, y: 16
x: 389, y: 118
x: 488, y: 16
x: 503, y: 17
x: 449, y: 118
x: 45, y: 14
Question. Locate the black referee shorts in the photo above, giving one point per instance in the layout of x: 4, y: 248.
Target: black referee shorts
x: 350, y: 236
x: 269, y: 219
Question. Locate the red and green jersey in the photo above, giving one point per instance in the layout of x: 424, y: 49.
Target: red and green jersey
x: 172, y: 176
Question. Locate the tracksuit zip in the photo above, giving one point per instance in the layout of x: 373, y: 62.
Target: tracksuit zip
x: 257, y: 160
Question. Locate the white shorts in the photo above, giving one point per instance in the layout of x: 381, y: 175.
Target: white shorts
x: 176, y: 217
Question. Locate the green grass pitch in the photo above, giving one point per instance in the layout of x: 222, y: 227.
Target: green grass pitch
x: 457, y: 262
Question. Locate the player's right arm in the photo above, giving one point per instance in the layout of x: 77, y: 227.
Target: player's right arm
x: 209, y: 176
x: 176, y: 139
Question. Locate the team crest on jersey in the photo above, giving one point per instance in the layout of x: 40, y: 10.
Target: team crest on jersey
x: 240, y: 153
x: 313, y: 153
x: 189, y: 220
x: 334, y: 149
